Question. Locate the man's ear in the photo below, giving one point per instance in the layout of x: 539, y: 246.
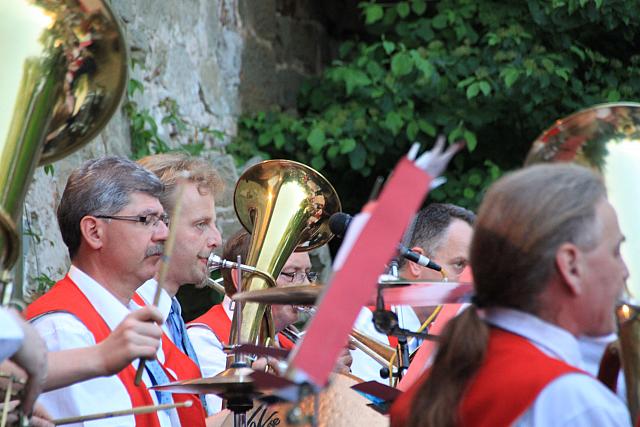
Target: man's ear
x: 415, y: 269
x: 235, y: 281
x: 92, y: 232
x: 569, y: 265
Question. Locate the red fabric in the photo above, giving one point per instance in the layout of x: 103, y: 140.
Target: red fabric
x: 218, y: 321
x: 355, y: 282
x: 515, y: 371
x: 66, y: 296
x: 179, y: 366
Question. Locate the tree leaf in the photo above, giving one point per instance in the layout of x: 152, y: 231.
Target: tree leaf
x: 347, y: 145
x: 427, y: 127
x: 473, y: 90
x: 373, y: 13
x: 510, y: 76
x: 403, y: 9
x: 316, y: 138
x: 471, y: 140
x: 412, y: 130
x: 388, y: 46
x: 394, y: 122
x: 318, y: 162
x: 419, y: 6
x: 401, y: 64
x: 485, y: 87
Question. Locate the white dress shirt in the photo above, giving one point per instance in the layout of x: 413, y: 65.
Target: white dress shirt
x: 147, y: 292
x: 11, y: 334
x: 592, y: 349
x: 365, y: 367
x: 63, y: 331
x: 572, y: 399
x: 211, y: 357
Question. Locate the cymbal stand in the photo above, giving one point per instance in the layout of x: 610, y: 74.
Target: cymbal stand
x: 239, y: 403
x: 386, y: 322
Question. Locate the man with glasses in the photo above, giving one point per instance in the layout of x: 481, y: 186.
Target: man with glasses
x: 210, y: 332
x: 114, y: 227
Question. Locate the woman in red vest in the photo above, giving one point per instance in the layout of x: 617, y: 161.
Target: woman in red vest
x: 547, y: 267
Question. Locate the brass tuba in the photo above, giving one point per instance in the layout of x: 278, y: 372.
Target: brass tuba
x: 63, y: 73
x: 285, y: 206
x: 607, y: 138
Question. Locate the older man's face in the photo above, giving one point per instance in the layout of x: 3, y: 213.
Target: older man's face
x: 605, y: 274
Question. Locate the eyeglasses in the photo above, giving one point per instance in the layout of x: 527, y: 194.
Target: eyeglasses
x: 150, y: 220
x: 311, y: 276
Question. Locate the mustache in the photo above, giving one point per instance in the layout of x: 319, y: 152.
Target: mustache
x: 154, y: 250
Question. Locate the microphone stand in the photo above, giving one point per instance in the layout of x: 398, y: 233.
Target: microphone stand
x: 386, y: 322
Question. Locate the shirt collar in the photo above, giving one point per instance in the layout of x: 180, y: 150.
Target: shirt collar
x: 550, y: 339
x: 104, y: 302
x: 148, y: 290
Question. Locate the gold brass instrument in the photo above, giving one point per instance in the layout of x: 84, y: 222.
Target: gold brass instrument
x: 285, y: 206
x: 383, y: 354
x: 606, y: 138
x: 63, y: 73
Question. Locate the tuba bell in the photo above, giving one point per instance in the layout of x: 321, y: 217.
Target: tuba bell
x: 285, y: 206
x: 606, y: 138
x: 63, y: 73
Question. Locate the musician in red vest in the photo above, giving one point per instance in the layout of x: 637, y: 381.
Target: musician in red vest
x: 547, y: 269
x: 114, y: 227
x: 196, y: 236
x: 210, y: 332
x: 442, y: 232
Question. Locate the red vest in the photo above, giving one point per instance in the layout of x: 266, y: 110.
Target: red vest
x: 184, y: 369
x: 505, y: 386
x: 66, y: 296
x: 218, y: 321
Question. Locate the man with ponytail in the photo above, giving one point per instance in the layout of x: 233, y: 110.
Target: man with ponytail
x: 546, y: 261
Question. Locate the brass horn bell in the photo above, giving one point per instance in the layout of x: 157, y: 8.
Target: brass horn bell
x: 286, y: 206
x: 63, y: 73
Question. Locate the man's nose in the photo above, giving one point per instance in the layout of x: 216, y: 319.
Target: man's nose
x: 215, y: 240
x: 161, y: 232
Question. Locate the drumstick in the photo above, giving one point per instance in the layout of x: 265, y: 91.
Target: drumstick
x: 132, y: 411
x: 7, y: 399
x: 164, y: 260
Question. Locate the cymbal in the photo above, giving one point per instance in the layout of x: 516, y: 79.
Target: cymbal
x: 405, y: 282
x: 294, y: 295
x: 233, y: 381
x: 421, y: 294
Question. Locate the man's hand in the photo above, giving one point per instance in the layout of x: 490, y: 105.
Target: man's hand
x: 136, y: 336
x: 32, y: 357
x: 435, y: 161
x: 343, y: 364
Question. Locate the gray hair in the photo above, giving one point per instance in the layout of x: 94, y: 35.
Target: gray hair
x: 430, y: 226
x: 522, y: 221
x: 101, y: 187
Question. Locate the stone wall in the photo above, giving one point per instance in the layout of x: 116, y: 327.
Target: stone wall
x: 213, y: 59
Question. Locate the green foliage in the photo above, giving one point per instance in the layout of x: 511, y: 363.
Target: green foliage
x: 42, y: 284
x: 492, y: 73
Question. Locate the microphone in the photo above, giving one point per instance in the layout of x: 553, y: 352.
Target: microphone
x: 339, y: 223
x: 422, y: 260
